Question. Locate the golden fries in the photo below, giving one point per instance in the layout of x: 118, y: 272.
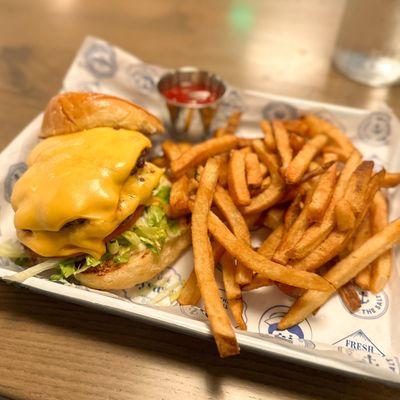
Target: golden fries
x: 343, y: 272
x: 282, y: 143
x: 317, y: 126
x: 296, y: 142
x: 237, y: 179
x: 190, y: 294
x: 350, y: 297
x: 204, y: 262
x: 258, y: 263
x: 362, y: 234
x: 201, y: 152
x: 274, y: 217
x: 345, y: 217
x: 274, y: 192
x: 232, y: 288
x: 269, y: 139
x: 298, y: 166
x: 322, y: 195
x: 391, y: 180
x: 316, y: 233
x: 239, y: 226
x: 381, y: 269
x: 254, y: 175
x: 171, y: 150
x: 320, y: 202
x: 179, y: 197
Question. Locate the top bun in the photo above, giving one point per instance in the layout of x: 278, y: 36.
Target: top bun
x: 73, y: 112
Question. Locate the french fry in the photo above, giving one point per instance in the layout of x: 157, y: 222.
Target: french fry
x: 345, y: 217
x: 238, y: 225
x: 184, y: 146
x: 253, y: 171
x: 246, y: 150
x: 358, y: 185
x: 218, y: 251
x: 269, y: 139
x: 179, y: 197
x: 322, y: 195
x: 339, y: 152
x: 274, y: 217
x: 282, y: 143
x: 298, y: 166
x: 257, y: 282
x: 329, y: 157
x: 258, y: 263
x: 343, y: 272
x: 223, y: 172
x: 243, y: 142
x: 171, y: 150
x: 292, y: 235
x: 271, y: 243
x: 292, y: 212
x: 274, y: 192
x: 319, y: 126
x: 317, y: 233
x: 296, y: 126
x: 316, y: 171
x: 296, y: 142
x: 253, y: 221
x: 236, y: 307
x: 350, y: 297
x: 161, y: 162
x: 199, y: 153
x: 190, y: 294
x: 391, y: 179
x: 219, y: 132
x: 263, y: 169
x: 336, y: 241
x: 233, y: 123
x: 363, y: 233
x: 232, y: 288
x: 381, y: 269
x: 237, y: 179
x: 204, y: 262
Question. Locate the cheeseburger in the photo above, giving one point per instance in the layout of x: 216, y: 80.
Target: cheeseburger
x: 90, y: 201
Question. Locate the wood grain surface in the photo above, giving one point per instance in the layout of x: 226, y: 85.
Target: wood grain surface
x: 53, y: 350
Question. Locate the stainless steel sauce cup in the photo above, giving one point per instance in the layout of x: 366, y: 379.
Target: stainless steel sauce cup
x: 191, y: 121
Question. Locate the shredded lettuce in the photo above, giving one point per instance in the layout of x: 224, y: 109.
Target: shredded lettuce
x: 35, y: 270
x: 12, y: 249
x: 163, y: 192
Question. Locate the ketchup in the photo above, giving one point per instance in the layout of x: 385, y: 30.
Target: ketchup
x: 191, y: 94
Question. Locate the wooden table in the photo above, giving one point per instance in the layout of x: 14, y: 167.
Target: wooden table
x: 54, y: 350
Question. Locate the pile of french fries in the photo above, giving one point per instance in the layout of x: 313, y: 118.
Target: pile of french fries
x: 324, y: 208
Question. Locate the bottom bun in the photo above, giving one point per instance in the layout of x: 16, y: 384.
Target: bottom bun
x: 141, y: 266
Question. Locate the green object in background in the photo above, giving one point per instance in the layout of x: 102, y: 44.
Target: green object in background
x: 241, y: 17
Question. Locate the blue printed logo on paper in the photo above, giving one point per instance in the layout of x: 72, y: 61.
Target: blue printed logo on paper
x: 142, y: 79
x: 375, y: 128
x: 373, y: 306
x: 358, y: 340
x: 100, y: 60
x: 279, y: 110
x: 15, y: 171
x: 268, y: 324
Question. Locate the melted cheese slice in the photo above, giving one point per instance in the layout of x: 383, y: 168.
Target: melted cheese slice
x: 84, y: 175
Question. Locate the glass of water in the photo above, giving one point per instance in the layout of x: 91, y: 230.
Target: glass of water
x: 368, y: 45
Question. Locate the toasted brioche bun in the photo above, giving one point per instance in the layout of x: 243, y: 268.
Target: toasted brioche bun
x: 140, y: 268
x: 73, y: 112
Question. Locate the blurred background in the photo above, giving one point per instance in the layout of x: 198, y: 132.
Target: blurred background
x: 283, y: 47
